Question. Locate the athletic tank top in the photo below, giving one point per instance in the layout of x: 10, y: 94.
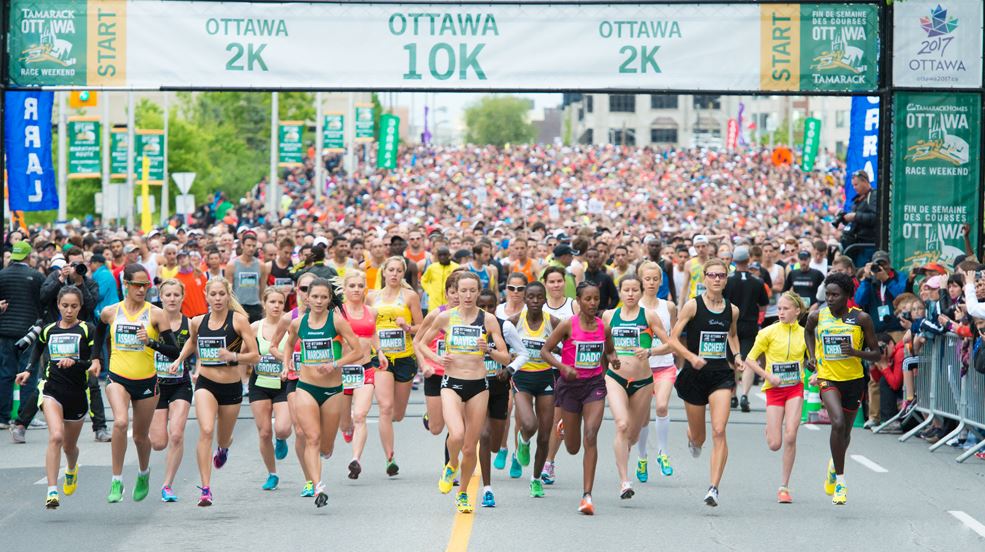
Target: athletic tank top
x: 831, y: 332
x: 266, y: 372
x: 533, y: 339
x: 707, y: 334
x: 628, y: 335
x: 246, y: 284
x: 210, y: 341
x: 695, y: 285
x: 483, y: 275
x: 280, y: 276
x: 363, y: 327
x: 492, y: 367
x: 319, y: 346
x: 296, y: 354
x: 162, y: 364
x: 168, y: 273
x: 394, y: 341
x: 461, y: 336
x: 565, y: 311
x: 583, y: 350
x: 416, y: 257
x: 438, y: 346
x: 129, y: 357
x: 680, y: 282
x: 663, y: 313
x: 527, y: 269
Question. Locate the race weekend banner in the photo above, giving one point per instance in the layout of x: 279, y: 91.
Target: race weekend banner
x: 118, y: 43
x: 937, y: 43
x: 27, y: 140
x: 84, y: 138
x: 149, y: 144
x: 936, y: 174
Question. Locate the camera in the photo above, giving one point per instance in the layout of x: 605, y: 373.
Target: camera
x: 907, y: 316
x: 840, y: 219
x: 31, y: 336
x: 81, y: 269
x: 875, y: 268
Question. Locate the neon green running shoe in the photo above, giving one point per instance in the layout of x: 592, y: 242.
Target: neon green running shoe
x: 115, y: 492
x: 536, y: 488
x: 642, y: 473
x: 142, y: 487
x: 523, y: 453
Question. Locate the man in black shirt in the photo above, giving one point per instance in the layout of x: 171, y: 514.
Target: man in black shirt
x: 804, y: 280
x: 595, y: 272
x: 748, y: 293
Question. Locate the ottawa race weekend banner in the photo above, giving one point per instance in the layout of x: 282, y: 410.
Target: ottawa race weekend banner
x: 215, y: 45
x: 936, y: 175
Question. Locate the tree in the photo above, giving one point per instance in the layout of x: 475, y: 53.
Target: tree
x: 499, y: 120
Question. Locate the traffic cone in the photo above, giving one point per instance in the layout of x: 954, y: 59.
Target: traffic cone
x: 812, y: 403
x: 859, y: 422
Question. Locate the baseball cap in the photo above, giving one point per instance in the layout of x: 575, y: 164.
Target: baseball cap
x: 320, y: 240
x: 880, y: 256
x: 934, y: 282
x: 563, y: 250
x: 700, y: 239
x: 804, y: 255
x: 741, y: 254
x: 20, y: 251
x: 127, y: 249
x: 935, y: 267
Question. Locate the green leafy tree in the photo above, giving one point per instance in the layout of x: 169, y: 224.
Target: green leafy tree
x: 499, y: 120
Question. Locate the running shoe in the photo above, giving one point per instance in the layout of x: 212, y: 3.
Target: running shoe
x: 559, y: 428
x: 735, y: 402
x: 347, y: 436
x: 424, y: 420
x: 523, y: 452
x: 391, y: 467
x: 446, y: 481
x: 840, y: 496
x: 500, y: 461
x: 280, y: 449
x: 271, y: 483
x: 115, y: 492
x: 355, y: 469
x: 220, y: 457
x: 321, y: 497
x: 695, y: 449
x: 711, y: 498
x: 206, y: 498
x: 783, y: 496
x: 627, y: 490
x: 167, y: 495
x: 309, y: 490
x: 17, y: 434
x: 71, y: 481
x: 665, y: 468
x: 142, y: 487
x: 547, y: 474
x: 516, y: 470
x: 831, y: 479
x: 51, y: 502
x: 462, y: 502
x: 488, y: 500
x: 586, y: 507
x: 744, y: 403
x: 536, y: 488
x: 641, y: 471
x: 103, y: 436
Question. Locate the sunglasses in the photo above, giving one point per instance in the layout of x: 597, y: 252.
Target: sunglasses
x: 516, y: 288
x: 716, y: 275
x: 144, y: 285
x: 304, y: 288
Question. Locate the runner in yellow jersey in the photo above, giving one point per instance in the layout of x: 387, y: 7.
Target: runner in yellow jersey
x: 783, y: 345
x: 695, y: 267
x: 839, y: 338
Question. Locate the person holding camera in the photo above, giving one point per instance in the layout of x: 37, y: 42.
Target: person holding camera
x: 880, y: 285
x: 861, y: 223
x: 19, y: 284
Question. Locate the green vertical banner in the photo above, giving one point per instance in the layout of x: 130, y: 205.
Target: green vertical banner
x: 812, y: 137
x: 149, y: 143
x: 84, y: 160
x: 290, y: 147
x: 333, y: 132
x: 839, y: 46
x: 936, y: 174
x: 386, y: 156
x: 118, y: 153
x: 364, y: 123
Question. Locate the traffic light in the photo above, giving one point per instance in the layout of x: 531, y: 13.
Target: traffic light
x: 82, y: 98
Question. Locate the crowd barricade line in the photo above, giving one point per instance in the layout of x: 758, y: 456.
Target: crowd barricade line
x: 950, y: 391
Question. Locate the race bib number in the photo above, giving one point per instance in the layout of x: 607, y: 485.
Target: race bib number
x: 162, y: 365
x: 392, y: 342
x: 353, y: 376
x: 492, y: 367
x: 208, y: 350
x: 533, y: 347
x: 588, y: 354
x: 316, y: 351
x: 464, y: 339
x: 248, y: 279
x: 283, y: 282
x: 64, y: 346
x: 126, y: 338
x: 788, y: 372
x: 832, y: 346
x: 268, y: 367
x: 712, y: 345
x: 626, y: 340
x: 297, y: 361
x: 439, y: 347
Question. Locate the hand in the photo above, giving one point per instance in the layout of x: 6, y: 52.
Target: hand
x: 848, y: 350
x: 502, y: 375
x: 142, y: 335
x: 326, y: 368
x: 226, y: 356
x: 615, y: 363
x: 482, y: 345
x: 569, y: 373
x: 943, y: 320
x: 641, y: 354
x: 22, y: 377
x: 426, y: 370
x: 94, y: 368
x: 740, y: 366
x: 698, y: 363
x: 173, y: 368
x: 965, y: 229
x: 402, y: 323
x: 849, y: 217
x: 774, y: 380
x: 384, y: 362
x: 905, y: 323
x: 867, y: 271
x: 66, y: 363
x: 445, y: 360
x: 194, y: 376
x: 65, y: 273
x: 813, y: 380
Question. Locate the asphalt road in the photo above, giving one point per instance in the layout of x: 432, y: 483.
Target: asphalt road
x: 901, y: 497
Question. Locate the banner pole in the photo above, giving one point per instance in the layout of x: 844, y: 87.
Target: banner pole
x: 272, y: 184
x: 349, y: 131
x: 319, y: 162
x: 165, y: 187
x: 886, y: 99
x: 106, y: 141
x: 131, y: 137
x: 62, y: 157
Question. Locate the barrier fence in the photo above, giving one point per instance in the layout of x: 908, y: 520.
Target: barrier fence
x: 947, y: 389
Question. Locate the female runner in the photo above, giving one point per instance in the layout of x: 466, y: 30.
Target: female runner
x: 562, y: 308
x: 268, y: 392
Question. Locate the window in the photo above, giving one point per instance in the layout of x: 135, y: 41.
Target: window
x: 589, y: 103
x: 840, y: 118
x: 663, y: 101
x: 581, y: 113
x: 587, y: 137
x: 618, y: 138
x: 622, y: 103
x: 707, y: 102
x: 663, y: 135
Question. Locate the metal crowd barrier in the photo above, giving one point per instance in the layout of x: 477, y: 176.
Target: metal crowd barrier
x: 946, y: 389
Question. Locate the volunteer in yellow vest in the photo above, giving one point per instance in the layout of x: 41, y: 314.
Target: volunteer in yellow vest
x: 839, y: 338
x: 433, y: 279
x: 134, y: 329
x: 783, y: 344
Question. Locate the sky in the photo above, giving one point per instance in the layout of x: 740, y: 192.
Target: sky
x: 456, y: 102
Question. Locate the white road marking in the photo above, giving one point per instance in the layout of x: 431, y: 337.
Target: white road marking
x: 812, y: 427
x: 869, y: 463
x: 761, y: 395
x: 44, y: 480
x: 969, y: 522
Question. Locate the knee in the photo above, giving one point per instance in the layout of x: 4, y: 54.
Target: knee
x: 622, y: 426
x: 386, y: 410
x: 57, y: 438
x: 468, y: 449
x: 591, y: 437
x: 718, y: 432
x: 790, y: 439
x: 177, y: 438
x: 265, y: 433
x: 206, y: 433
x: 773, y: 443
x: 121, y: 424
x: 158, y: 443
x: 313, y: 439
x: 662, y: 410
x: 141, y: 440
x: 359, y: 418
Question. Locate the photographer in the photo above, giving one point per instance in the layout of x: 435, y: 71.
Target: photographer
x: 19, y: 286
x: 862, y: 222
x: 880, y: 285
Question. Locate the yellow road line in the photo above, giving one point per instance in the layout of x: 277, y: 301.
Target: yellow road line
x: 461, y: 529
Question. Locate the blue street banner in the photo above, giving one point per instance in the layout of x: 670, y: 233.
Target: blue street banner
x: 863, y: 143
x: 27, y: 132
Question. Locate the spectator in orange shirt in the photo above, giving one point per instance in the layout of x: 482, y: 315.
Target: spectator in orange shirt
x: 194, y: 281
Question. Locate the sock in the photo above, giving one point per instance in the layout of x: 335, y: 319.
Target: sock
x: 274, y: 474
x: 52, y: 489
x: 118, y: 478
x: 840, y: 479
x: 663, y: 430
x: 641, y: 443
x: 143, y: 473
x: 522, y: 440
x: 223, y: 449
x: 72, y: 469
x: 486, y: 489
